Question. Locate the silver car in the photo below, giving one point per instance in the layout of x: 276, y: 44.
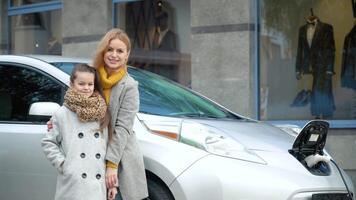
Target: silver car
x: 194, y: 149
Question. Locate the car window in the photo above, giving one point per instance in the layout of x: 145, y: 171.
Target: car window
x: 66, y: 67
x: 160, y: 96
x: 20, y: 87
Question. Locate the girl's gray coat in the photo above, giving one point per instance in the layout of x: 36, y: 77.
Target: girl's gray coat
x: 123, y: 148
x: 78, y: 151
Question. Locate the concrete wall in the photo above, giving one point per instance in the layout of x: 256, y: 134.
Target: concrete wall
x: 84, y: 23
x: 221, y: 54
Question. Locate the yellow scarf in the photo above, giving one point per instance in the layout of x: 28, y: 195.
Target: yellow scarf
x: 108, y: 81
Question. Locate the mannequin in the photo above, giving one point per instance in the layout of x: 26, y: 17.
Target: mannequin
x: 348, y: 65
x: 315, y: 56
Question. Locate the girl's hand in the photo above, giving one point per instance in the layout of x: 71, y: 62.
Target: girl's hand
x: 112, y: 193
x: 49, y: 125
x: 111, y: 178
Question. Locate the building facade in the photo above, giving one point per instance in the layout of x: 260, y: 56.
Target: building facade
x: 272, y: 60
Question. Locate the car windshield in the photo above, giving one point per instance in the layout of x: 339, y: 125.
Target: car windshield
x: 160, y: 96
x: 67, y: 67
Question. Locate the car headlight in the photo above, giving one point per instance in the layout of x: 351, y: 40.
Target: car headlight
x: 209, y: 139
x: 204, y: 137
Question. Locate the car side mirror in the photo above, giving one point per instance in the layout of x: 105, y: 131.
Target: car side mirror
x: 43, y: 108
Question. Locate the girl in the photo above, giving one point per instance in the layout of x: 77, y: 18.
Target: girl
x: 76, y: 145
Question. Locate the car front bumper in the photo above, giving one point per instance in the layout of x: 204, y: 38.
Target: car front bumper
x: 219, y: 178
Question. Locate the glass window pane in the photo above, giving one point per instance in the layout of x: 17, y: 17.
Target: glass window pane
x: 21, y: 87
x: 159, y: 96
x: 37, y: 33
x: 26, y: 2
x: 307, y: 60
x: 160, y: 36
x: 66, y: 67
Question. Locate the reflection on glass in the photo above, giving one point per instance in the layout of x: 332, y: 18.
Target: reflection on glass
x: 305, y: 60
x: 152, y: 26
x: 21, y: 87
x: 4, y: 28
x: 36, y: 33
x: 161, y: 97
x: 26, y: 2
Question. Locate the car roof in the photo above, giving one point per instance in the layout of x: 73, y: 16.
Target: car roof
x: 54, y: 59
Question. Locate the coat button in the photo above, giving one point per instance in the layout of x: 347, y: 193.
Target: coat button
x: 98, y: 176
x: 96, y: 135
x: 82, y: 155
x: 80, y: 135
x: 97, y: 155
x: 84, y: 175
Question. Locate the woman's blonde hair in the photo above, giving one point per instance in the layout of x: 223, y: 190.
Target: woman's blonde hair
x: 114, y: 33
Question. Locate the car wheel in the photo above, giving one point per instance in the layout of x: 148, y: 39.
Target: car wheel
x: 158, y: 191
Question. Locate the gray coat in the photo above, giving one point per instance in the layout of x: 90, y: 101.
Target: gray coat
x: 77, y: 150
x: 123, y: 148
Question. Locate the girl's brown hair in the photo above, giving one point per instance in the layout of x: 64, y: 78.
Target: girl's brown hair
x: 105, y: 121
x: 102, y: 48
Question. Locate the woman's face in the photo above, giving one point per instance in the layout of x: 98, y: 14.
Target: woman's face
x: 116, y: 56
x: 84, y: 83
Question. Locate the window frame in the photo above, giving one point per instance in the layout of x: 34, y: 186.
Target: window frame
x: 33, y: 8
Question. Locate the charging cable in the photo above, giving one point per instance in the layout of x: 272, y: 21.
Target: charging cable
x: 343, y: 179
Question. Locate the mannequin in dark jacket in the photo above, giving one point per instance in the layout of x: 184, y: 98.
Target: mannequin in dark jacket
x: 348, y: 65
x: 166, y: 40
x: 315, y: 55
x: 165, y: 43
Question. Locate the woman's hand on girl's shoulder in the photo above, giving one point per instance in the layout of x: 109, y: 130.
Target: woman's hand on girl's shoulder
x: 49, y: 125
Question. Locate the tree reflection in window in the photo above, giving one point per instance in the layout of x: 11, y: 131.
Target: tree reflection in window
x: 22, y: 86
x: 159, y: 96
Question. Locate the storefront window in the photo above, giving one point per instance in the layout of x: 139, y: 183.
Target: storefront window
x: 36, y: 33
x: 3, y: 27
x: 307, y: 60
x: 160, y: 34
x: 26, y: 2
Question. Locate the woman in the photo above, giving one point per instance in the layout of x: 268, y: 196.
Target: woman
x: 124, y: 159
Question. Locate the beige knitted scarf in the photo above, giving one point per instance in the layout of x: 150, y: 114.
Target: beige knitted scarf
x: 91, y: 108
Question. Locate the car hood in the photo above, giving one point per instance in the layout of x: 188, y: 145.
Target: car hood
x: 253, y: 135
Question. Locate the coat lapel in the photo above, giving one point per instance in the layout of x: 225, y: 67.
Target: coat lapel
x: 115, y: 99
x: 316, y: 35
x: 305, y: 36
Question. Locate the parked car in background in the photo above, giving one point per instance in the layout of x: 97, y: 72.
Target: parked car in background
x: 194, y: 149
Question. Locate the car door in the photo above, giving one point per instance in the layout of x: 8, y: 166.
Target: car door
x: 24, y: 171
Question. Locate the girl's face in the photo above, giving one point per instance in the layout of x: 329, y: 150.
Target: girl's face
x: 84, y: 83
x: 116, y: 56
